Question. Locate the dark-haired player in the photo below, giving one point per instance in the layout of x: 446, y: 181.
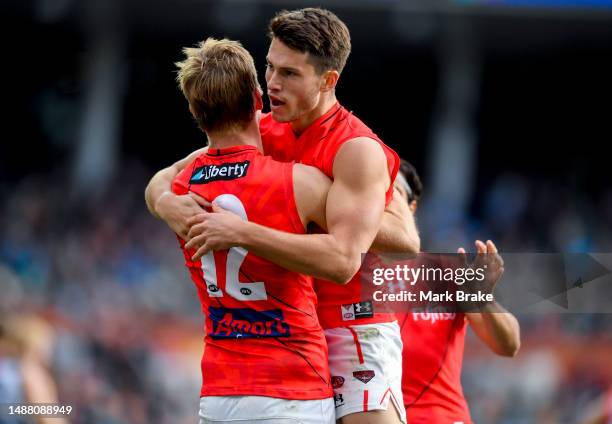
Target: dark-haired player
x: 308, y: 51
x: 433, y: 339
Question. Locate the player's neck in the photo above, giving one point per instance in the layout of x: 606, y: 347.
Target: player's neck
x: 249, y: 136
x: 327, y: 101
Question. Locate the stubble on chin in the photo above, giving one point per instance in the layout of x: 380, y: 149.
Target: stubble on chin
x: 280, y: 118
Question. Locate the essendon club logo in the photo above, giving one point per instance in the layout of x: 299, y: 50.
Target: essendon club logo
x: 364, y: 376
x: 337, y: 381
x: 225, y: 171
x: 228, y: 323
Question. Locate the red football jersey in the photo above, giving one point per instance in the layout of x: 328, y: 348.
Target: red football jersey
x: 262, y: 334
x: 432, y: 359
x: 317, y: 146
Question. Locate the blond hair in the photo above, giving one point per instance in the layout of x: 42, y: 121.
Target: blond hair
x: 219, y: 80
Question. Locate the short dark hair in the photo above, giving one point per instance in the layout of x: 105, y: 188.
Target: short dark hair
x: 315, y: 31
x: 412, y: 178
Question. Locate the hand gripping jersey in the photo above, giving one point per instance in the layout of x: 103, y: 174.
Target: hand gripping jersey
x: 262, y: 333
x: 317, y: 146
x: 432, y: 357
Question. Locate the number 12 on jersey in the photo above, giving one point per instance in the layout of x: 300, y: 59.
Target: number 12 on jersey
x: 235, y: 257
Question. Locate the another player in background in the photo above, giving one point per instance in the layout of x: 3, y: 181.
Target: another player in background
x: 434, y: 339
x: 265, y: 358
x: 308, y: 51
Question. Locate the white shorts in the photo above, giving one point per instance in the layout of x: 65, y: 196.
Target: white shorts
x: 365, y: 362
x: 265, y: 410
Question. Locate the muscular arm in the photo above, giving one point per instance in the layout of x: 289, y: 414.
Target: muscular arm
x: 398, y: 232
x: 160, y: 184
x: 354, y: 208
x: 162, y: 203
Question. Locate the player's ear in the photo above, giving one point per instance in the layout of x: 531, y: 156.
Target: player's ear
x: 329, y: 80
x: 191, y: 110
x: 258, y: 100
x: 413, y: 206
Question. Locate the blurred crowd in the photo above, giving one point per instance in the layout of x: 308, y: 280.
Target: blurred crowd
x: 107, y: 285
x: 95, y: 286
x: 524, y: 214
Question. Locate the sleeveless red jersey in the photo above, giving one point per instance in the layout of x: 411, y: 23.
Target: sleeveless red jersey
x: 433, y: 338
x: 317, y: 146
x: 262, y: 334
x: 432, y: 358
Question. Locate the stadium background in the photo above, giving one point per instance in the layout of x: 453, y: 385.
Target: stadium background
x: 503, y: 106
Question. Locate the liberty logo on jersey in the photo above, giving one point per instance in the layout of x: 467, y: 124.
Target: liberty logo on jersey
x: 225, y: 171
x: 233, y: 323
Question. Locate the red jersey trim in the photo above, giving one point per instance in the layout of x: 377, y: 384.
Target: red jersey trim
x: 226, y: 151
x: 357, y: 345
x: 326, y: 116
x: 392, y: 171
x: 237, y: 390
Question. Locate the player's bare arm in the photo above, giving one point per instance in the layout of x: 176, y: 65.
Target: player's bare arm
x: 162, y: 203
x: 398, y: 232
x: 223, y: 229
x: 497, y: 328
x: 311, y: 187
x: 494, y: 325
x: 354, y: 209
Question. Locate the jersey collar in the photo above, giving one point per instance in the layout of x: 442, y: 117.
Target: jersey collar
x: 319, y: 128
x: 230, y: 150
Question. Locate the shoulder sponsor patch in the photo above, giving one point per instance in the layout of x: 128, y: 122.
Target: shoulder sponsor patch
x: 225, y: 171
x: 233, y: 323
